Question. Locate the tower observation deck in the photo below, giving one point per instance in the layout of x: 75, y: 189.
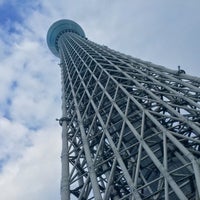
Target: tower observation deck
x: 130, y: 128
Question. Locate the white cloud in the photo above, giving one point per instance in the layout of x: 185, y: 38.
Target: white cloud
x: 29, y: 135
x: 35, y: 174
x: 14, y: 137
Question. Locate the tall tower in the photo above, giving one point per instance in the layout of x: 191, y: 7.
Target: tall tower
x: 130, y: 128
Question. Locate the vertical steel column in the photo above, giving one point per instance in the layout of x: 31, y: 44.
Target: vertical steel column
x: 65, y: 185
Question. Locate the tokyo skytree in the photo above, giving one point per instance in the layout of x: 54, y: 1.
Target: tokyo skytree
x: 130, y: 128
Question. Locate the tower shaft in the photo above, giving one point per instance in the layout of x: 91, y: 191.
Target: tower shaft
x: 131, y: 129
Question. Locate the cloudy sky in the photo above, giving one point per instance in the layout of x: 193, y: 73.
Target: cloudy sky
x: 163, y: 32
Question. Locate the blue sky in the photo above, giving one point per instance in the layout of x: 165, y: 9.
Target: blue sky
x: 163, y: 32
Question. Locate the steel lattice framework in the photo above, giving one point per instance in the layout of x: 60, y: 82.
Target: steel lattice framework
x: 131, y: 129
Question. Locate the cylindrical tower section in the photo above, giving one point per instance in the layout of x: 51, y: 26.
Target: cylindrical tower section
x: 130, y: 128
x: 57, y: 29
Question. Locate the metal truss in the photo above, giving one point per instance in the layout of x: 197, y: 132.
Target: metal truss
x: 131, y: 129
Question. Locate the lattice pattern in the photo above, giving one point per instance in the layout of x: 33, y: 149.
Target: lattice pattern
x: 132, y: 129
